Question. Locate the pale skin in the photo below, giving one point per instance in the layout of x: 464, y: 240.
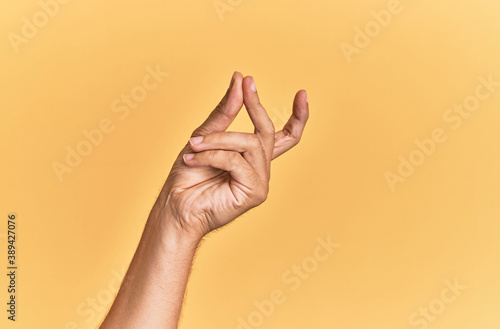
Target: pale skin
x: 217, y: 176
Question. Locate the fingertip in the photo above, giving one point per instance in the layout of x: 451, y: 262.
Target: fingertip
x: 237, y: 75
x: 250, y: 94
x: 248, y: 81
x: 238, y: 80
x: 301, y: 105
x: 302, y: 96
x: 235, y: 95
x: 193, y: 141
x: 188, y: 157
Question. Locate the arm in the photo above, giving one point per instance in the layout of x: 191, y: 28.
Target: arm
x: 217, y: 176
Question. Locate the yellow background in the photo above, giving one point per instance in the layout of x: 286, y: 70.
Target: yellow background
x: 396, y: 248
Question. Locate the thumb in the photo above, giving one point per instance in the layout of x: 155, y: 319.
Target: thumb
x: 227, y: 110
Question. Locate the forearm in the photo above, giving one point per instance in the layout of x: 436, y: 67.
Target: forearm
x: 153, y: 289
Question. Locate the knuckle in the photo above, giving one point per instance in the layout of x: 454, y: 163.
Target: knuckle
x: 212, y: 155
x: 175, y: 192
x: 233, y: 158
x: 221, y: 109
x: 219, y: 154
x: 202, y: 130
x: 261, y: 194
x: 269, y: 128
x: 262, y: 198
x: 210, y: 138
x: 220, y: 106
x: 254, y: 141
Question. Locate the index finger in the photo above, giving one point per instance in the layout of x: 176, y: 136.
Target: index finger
x: 264, y: 127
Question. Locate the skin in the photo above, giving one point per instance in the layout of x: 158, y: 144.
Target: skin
x: 217, y: 176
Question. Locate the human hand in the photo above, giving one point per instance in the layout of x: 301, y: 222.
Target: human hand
x: 219, y: 175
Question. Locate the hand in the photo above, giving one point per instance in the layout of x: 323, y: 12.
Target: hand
x: 219, y: 175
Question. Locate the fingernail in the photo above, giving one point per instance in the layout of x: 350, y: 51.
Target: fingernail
x: 195, y: 140
x: 307, y: 98
x: 188, y: 157
x: 252, y: 86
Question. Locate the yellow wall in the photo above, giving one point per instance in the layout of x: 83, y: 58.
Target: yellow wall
x: 397, y: 249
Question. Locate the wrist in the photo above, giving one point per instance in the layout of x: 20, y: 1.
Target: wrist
x: 169, y: 230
